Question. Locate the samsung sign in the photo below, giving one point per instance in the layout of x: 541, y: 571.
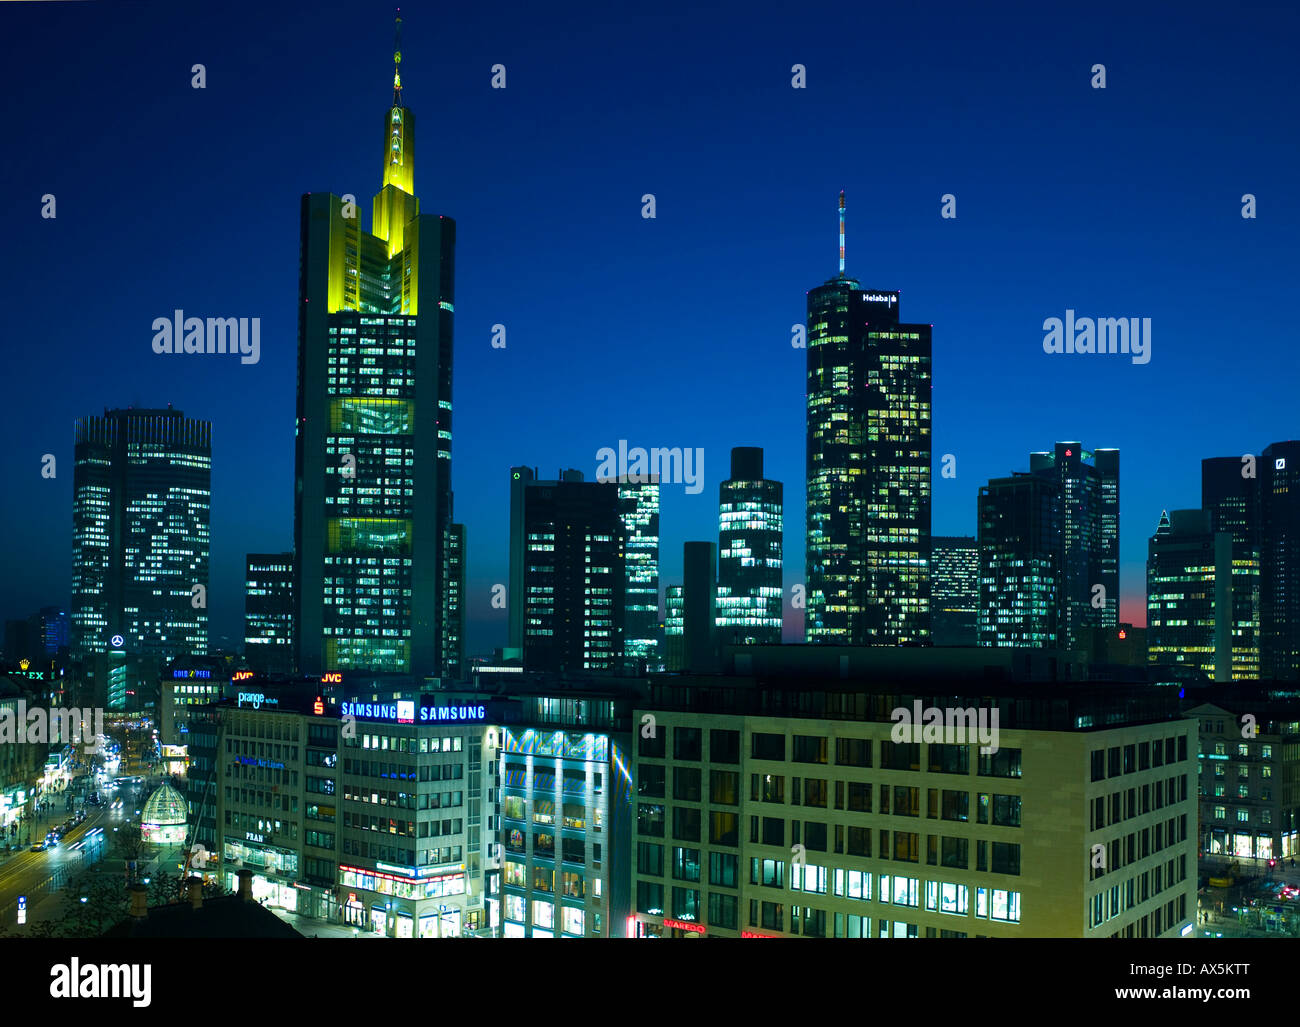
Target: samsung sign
x: 407, y: 713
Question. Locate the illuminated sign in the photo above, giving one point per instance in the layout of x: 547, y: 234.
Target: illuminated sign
x: 332, y: 678
x: 242, y: 675
x: 879, y: 297
x: 318, y: 707
x: 254, y: 699
x: 251, y: 761
x: 1279, y: 464
x: 408, y: 871
x: 683, y: 925
x: 406, y: 713
x: 22, y: 909
x: 203, y: 675
x: 753, y: 934
x: 117, y: 641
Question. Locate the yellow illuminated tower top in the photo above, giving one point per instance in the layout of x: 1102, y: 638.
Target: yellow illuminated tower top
x: 395, y: 204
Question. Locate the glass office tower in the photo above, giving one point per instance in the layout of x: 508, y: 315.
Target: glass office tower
x: 141, y: 494
x: 268, y: 612
x: 638, y: 508
x: 1019, y: 541
x: 954, y: 589
x: 868, y: 466
x: 372, y: 501
x: 750, y: 523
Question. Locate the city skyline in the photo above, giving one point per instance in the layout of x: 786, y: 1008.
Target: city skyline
x: 997, y: 394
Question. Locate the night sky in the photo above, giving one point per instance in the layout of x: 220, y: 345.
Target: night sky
x: 1122, y: 202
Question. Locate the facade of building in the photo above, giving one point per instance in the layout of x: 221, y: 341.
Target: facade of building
x: 456, y: 556
x: 142, y: 490
x: 268, y: 612
x: 750, y: 528
x: 372, y: 502
x: 566, y: 801
x: 674, y: 628
x: 1232, y: 501
x: 1249, y: 784
x: 567, y: 569
x: 809, y: 819
x: 700, y: 605
x: 954, y: 590
x: 1189, y: 595
x: 868, y: 468
x: 1019, y: 553
x: 1089, y: 535
x: 638, y: 507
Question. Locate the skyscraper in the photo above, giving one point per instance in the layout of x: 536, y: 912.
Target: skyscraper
x: 1230, y: 495
x: 1089, y: 539
x: 1019, y: 541
x: 372, y: 503
x: 868, y: 467
x: 674, y: 628
x: 954, y: 590
x: 453, y: 634
x: 638, y: 507
x: 268, y: 612
x: 1189, y: 595
x: 568, y: 580
x: 700, y: 606
x: 1279, y: 541
x: 750, y: 524
x: 141, y: 498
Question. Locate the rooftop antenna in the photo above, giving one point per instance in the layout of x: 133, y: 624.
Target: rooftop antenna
x: 841, y: 233
x: 397, y: 60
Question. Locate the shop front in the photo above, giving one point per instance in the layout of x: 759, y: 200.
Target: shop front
x: 404, y: 906
x: 274, y: 870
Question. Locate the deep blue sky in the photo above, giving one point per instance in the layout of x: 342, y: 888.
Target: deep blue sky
x: 671, y: 332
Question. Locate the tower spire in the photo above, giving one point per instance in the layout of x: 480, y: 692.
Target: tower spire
x: 397, y: 60
x: 841, y: 233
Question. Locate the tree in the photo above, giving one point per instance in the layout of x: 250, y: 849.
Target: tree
x: 128, y: 843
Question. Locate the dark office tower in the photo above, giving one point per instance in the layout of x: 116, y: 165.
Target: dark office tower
x: 954, y: 590
x: 1279, y: 540
x: 268, y: 612
x: 674, y: 628
x: 868, y: 461
x: 1230, y: 495
x: 1019, y: 538
x: 453, y: 635
x: 638, y: 507
x: 1089, y: 540
x: 750, y: 524
x: 567, y: 545
x: 700, y: 606
x: 141, y: 497
x: 1189, y: 589
x: 373, y: 450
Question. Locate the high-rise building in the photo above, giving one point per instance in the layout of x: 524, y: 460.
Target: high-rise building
x: 141, y: 496
x: 868, y: 465
x: 700, y: 606
x: 954, y: 590
x: 373, y: 452
x: 268, y: 612
x: 1230, y: 495
x: 750, y: 524
x: 638, y: 507
x: 453, y: 635
x: 1279, y: 541
x: 568, y: 586
x: 1089, y: 539
x: 1019, y: 554
x: 1189, y: 595
x: 39, y: 638
x: 674, y: 628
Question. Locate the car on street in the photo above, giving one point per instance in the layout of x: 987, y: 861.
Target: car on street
x: 38, y: 847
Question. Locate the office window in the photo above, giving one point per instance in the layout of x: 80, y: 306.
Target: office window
x: 650, y: 819
x: 900, y: 756
x: 724, y: 828
x: 686, y: 784
x: 809, y: 749
x: 1003, y: 763
x: 956, y: 805
x: 949, y: 759
x: 1006, y: 810
x: 686, y: 864
x: 650, y: 780
x: 723, y: 869
x: 722, y: 910
x: 767, y: 746
x: 724, y: 787
x: 686, y: 743
x: 686, y: 824
x: 853, y: 752
x: 724, y: 747
x: 650, y: 859
x: 652, y: 746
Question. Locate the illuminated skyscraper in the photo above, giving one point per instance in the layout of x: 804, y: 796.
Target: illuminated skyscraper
x: 372, y: 504
x: 750, y: 523
x: 268, y: 612
x: 1231, y: 498
x: 453, y: 634
x: 674, y: 628
x: 954, y: 589
x: 568, y: 580
x: 141, y: 498
x: 1019, y: 553
x: 1089, y: 539
x: 1189, y: 595
x: 868, y: 466
x: 638, y: 507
